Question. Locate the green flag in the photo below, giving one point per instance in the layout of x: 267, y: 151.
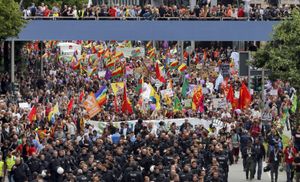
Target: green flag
x: 177, y: 105
x: 294, y: 103
x: 185, y: 87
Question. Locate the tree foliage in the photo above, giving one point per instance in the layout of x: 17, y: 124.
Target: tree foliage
x: 11, y: 21
x: 282, y: 54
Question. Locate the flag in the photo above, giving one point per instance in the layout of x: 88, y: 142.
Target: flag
x: 91, y: 105
x: 158, y: 73
x: 245, y: 97
x: 155, y: 98
x: 126, y: 105
x: 70, y: 106
x: 139, y: 88
x: 101, y: 95
x: 32, y: 114
x: 177, y: 105
x: 294, y: 103
x: 90, y: 71
x: 174, y: 64
x: 119, y: 54
x: 185, y: 87
x: 117, y: 72
x: 100, y: 53
x: 107, y: 74
x: 148, y: 45
x: 117, y: 87
x: 110, y: 63
x: 53, y: 112
x: 173, y: 51
x: 151, y: 52
x: 196, y: 98
x: 219, y: 80
x: 81, y: 96
x: 230, y: 95
x: 182, y: 67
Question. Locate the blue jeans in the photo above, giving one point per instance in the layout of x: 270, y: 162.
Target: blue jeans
x: 289, y: 169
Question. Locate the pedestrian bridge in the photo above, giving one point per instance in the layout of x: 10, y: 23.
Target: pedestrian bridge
x: 147, y: 30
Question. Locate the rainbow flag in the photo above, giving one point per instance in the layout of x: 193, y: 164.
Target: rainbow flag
x: 101, y: 95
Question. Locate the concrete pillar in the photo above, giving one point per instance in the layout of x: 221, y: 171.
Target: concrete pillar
x: 12, y: 63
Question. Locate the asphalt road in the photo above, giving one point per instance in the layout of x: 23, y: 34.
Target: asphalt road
x: 236, y: 173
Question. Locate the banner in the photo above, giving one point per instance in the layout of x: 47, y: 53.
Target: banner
x: 100, y: 126
x: 91, y: 105
x: 128, y: 51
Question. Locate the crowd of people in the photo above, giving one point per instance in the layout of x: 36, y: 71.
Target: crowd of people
x: 148, y: 12
x: 50, y: 137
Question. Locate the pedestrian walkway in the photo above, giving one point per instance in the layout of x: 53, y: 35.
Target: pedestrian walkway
x: 236, y: 174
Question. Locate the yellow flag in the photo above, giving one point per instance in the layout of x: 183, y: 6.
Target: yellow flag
x: 117, y: 87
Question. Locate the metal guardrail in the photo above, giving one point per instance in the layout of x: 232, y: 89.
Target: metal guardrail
x: 157, y: 18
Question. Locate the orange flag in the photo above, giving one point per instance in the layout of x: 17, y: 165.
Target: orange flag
x: 32, y: 114
x: 197, y: 98
x: 126, y: 105
x: 91, y: 105
x: 245, y: 97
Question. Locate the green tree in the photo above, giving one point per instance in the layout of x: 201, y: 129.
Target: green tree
x: 11, y: 21
x: 282, y: 54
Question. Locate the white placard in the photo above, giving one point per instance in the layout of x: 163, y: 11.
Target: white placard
x: 127, y: 51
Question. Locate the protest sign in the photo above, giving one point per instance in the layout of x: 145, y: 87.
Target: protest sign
x: 168, y: 92
x: 91, y: 105
x: 129, y: 51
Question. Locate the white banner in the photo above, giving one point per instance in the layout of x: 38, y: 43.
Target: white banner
x: 100, y: 125
x: 127, y: 51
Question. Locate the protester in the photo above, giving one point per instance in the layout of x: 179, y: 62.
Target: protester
x: 103, y: 114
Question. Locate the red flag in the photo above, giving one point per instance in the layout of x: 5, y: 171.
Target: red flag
x: 32, y: 114
x: 245, y: 97
x: 81, y: 96
x: 230, y: 95
x: 116, y: 104
x: 70, y: 105
x: 126, y: 105
x: 158, y: 74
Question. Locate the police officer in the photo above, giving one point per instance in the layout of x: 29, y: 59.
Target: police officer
x: 21, y: 171
x: 249, y: 160
x: 34, y: 163
x: 222, y: 158
x: 260, y: 153
x: 134, y: 175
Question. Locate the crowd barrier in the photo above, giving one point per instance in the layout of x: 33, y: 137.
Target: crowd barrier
x: 100, y: 125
